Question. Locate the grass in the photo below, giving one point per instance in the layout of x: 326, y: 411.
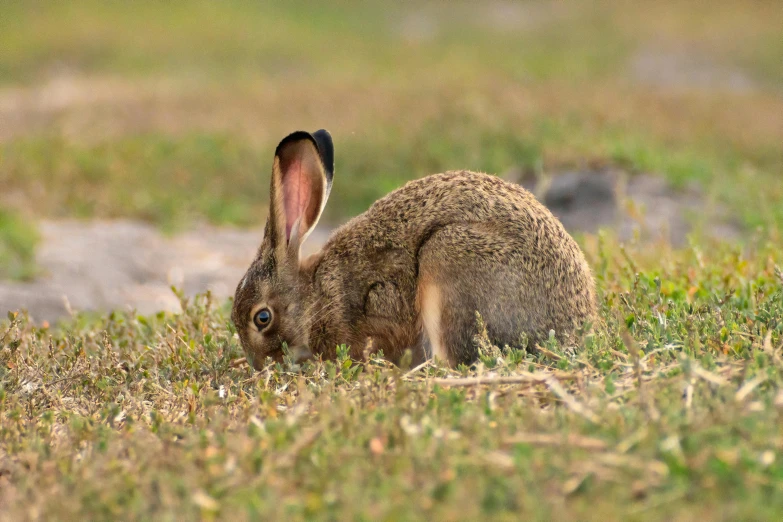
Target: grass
x: 17, y: 247
x: 668, y: 409
x: 224, y: 179
x: 170, y: 113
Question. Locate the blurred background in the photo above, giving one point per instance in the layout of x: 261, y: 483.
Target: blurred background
x: 136, y: 138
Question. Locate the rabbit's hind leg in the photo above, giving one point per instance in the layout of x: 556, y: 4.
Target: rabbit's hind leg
x: 467, y: 271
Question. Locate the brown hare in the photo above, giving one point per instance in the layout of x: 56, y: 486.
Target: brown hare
x: 412, y: 272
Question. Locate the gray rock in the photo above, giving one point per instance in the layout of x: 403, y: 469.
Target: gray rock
x: 583, y: 200
x: 591, y: 199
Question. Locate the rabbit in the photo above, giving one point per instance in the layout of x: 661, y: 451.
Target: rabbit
x: 413, y: 272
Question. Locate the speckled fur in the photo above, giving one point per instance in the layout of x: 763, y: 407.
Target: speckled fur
x: 488, y: 245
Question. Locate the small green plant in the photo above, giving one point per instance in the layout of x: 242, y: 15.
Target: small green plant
x: 18, y: 240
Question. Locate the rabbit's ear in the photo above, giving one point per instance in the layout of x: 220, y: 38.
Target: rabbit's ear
x: 301, y: 181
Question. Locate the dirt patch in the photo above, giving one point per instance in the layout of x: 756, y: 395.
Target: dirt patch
x: 108, y: 265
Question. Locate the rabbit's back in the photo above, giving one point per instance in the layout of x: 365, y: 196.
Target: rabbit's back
x: 407, y: 216
x: 486, y: 245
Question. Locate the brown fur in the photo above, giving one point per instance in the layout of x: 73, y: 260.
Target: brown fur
x: 474, y: 241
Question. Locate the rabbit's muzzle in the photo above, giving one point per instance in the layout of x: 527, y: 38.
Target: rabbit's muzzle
x: 296, y: 355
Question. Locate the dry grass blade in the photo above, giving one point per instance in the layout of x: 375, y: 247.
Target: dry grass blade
x: 499, y: 459
x: 548, y: 353
x: 533, y: 378
x: 569, y: 400
x: 705, y: 375
x: 652, y: 353
x: 517, y: 378
x: 241, y: 361
x: 632, y: 440
x: 575, y: 482
x: 621, y: 355
x: 655, y: 467
x: 571, y: 440
x: 417, y: 369
x: 689, y: 399
x: 457, y: 382
x: 747, y: 388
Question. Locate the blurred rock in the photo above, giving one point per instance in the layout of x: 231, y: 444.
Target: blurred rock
x: 593, y: 198
x: 582, y: 200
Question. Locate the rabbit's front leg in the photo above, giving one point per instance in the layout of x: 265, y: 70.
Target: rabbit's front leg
x: 390, y: 320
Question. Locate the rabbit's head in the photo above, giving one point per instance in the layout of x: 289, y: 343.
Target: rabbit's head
x: 272, y: 303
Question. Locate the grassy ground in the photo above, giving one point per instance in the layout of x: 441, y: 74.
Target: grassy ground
x: 670, y: 408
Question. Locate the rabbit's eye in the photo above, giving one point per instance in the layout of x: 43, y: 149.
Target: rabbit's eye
x: 262, y: 318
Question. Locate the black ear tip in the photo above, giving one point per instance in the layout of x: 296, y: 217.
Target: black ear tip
x: 293, y: 137
x: 323, y: 132
x: 323, y: 141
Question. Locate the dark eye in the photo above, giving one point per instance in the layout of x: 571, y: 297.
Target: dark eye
x: 262, y: 318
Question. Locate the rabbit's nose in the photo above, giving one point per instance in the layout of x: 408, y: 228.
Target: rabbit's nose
x: 257, y: 363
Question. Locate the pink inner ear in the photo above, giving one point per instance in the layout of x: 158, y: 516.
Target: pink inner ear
x: 297, y: 187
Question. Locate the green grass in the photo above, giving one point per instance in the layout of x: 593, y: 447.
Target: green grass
x: 150, y: 177
x: 668, y: 409
x: 17, y: 247
x: 225, y: 179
